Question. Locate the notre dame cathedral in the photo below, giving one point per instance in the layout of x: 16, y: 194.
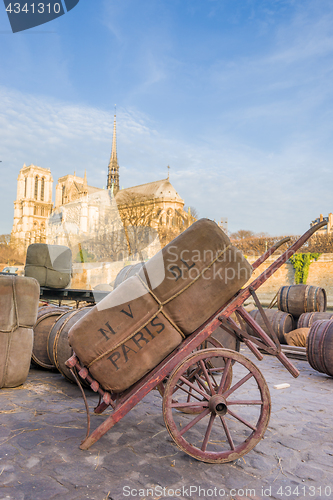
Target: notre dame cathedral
x: 106, y: 222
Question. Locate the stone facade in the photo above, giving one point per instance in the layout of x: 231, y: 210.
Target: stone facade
x: 33, y: 205
x: 110, y: 224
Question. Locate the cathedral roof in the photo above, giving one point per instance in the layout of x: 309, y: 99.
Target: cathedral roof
x: 157, y: 189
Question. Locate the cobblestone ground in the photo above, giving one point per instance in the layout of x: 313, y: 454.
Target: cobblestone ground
x: 43, y: 422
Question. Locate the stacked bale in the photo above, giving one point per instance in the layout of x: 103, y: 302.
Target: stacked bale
x: 145, y: 318
x: 50, y: 265
x: 19, y: 297
x: 319, y: 348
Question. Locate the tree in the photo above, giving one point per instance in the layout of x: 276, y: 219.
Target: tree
x: 242, y: 234
x: 10, y: 253
x: 139, y: 217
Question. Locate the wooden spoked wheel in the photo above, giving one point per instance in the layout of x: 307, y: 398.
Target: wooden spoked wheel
x: 230, y: 421
x: 195, y: 375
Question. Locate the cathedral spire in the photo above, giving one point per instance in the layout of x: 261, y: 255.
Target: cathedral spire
x: 113, y: 169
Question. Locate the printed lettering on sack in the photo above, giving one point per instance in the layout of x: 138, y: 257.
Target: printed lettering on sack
x: 136, y: 343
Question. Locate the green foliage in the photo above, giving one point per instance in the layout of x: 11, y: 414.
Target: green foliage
x: 301, y: 263
x: 84, y: 256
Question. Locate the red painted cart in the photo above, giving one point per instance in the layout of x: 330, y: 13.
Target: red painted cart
x: 216, y: 403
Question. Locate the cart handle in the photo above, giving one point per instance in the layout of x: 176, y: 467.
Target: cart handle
x: 269, y: 252
x: 245, y: 293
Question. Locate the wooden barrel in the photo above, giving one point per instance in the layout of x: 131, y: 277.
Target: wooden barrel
x: 306, y: 320
x: 58, y: 348
x: 299, y: 299
x: 46, y: 317
x: 281, y: 322
x: 319, y: 347
x: 127, y: 272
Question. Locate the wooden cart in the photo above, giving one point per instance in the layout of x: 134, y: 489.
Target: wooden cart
x: 216, y: 403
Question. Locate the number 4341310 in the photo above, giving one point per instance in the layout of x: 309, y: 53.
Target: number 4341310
x: 39, y: 8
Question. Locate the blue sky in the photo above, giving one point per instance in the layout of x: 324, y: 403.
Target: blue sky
x: 235, y: 95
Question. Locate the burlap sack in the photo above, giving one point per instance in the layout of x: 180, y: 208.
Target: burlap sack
x: 50, y: 265
x: 195, y: 274
x: 138, y: 324
x: 18, y: 313
x: 297, y: 337
x: 123, y: 337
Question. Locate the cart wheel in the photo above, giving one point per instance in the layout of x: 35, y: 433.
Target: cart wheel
x: 231, y: 420
x: 195, y: 375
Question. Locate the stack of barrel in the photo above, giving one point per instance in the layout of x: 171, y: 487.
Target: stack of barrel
x: 298, y: 307
x: 51, y: 348
x: 306, y: 304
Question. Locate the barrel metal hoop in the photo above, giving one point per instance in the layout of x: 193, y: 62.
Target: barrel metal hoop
x: 325, y: 334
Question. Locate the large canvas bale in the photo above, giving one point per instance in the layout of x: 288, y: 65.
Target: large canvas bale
x: 19, y: 297
x: 123, y: 337
x: 50, y: 265
x: 140, y: 322
x: 195, y: 274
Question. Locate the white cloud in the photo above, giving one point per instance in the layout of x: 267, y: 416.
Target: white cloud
x: 278, y: 191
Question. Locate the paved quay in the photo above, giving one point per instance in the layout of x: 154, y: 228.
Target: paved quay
x: 43, y: 422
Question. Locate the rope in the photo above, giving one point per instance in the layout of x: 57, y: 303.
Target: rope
x: 84, y: 399
x: 160, y: 309
x: 122, y: 341
x: 9, y: 338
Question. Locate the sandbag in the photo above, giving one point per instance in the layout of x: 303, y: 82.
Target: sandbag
x: 123, y: 337
x: 50, y: 265
x: 138, y: 324
x: 297, y: 337
x: 19, y: 297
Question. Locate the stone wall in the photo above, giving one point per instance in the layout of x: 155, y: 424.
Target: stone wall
x: 320, y: 274
x: 88, y: 275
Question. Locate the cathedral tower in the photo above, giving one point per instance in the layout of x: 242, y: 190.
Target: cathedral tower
x: 33, y: 205
x: 113, y: 170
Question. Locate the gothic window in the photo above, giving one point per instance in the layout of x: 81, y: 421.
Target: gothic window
x: 42, y: 212
x: 63, y: 195
x: 35, y: 210
x: 42, y: 189
x: 36, y: 187
x: 25, y: 186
